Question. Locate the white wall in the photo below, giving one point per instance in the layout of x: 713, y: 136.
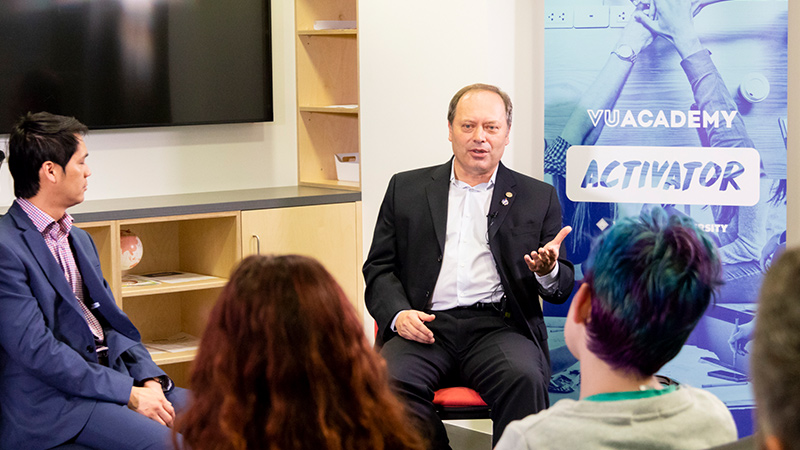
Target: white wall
x: 175, y: 160
x: 414, y: 56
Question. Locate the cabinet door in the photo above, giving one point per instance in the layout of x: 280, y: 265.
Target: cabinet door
x: 329, y: 233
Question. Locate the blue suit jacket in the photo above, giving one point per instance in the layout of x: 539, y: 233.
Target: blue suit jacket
x: 50, y: 379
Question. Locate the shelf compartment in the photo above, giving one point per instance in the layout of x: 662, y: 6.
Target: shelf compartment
x: 205, y: 244
x: 307, y: 11
x: 160, y: 316
x: 320, y: 137
x: 327, y: 70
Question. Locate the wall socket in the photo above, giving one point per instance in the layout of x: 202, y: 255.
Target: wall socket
x: 620, y: 15
x: 558, y: 18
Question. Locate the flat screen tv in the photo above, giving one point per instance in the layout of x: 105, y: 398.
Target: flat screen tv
x: 136, y: 63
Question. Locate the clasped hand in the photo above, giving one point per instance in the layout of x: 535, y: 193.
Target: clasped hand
x: 151, y: 403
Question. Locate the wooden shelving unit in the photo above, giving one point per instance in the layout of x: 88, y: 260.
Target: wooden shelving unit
x: 208, y: 234
x: 327, y: 91
x: 203, y: 244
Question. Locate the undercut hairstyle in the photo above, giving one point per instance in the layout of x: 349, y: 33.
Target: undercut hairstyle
x: 36, y: 139
x: 284, y: 364
x: 775, y: 358
x: 451, y: 110
x: 651, y: 280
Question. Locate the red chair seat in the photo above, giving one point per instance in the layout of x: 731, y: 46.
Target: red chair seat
x: 459, y: 403
x: 457, y: 396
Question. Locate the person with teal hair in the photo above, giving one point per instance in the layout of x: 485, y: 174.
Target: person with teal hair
x: 648, y: 282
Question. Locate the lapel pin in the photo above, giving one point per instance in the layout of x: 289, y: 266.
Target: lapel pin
x: 509, y: 194
x: 504, y: 202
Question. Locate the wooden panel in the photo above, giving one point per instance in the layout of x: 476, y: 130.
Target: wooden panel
x: 106, y: 238
x: 330, y: 109
x: 196, y: 309
x: 327, y: 70
x: 360, y: 305
x: 325, y: 232
x: 326, y: 32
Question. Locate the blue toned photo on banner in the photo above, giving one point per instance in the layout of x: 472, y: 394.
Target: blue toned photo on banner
x: 685, y: 111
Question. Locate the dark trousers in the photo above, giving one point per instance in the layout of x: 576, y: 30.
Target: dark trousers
x: 115, y: 426
x: 477, y: 349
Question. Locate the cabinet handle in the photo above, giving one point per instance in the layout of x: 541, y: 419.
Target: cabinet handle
x: 258, y: 244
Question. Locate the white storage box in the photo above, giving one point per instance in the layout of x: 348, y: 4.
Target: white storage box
x: 347, y: 166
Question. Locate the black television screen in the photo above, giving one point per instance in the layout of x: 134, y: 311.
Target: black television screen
x: 135, y: 63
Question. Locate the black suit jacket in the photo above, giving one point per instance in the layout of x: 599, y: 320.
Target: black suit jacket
x: 407, y: 248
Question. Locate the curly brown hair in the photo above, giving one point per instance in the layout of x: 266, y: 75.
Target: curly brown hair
x: 284, y: 364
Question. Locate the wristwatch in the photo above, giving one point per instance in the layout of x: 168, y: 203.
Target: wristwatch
x: 165, y: 382
x: 625, y: 53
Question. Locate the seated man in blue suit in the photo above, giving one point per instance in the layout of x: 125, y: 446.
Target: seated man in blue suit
x: 72, y: 367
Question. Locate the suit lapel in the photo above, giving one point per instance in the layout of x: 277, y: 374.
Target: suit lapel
x: 503, y: 199
x: 41, y: 253
x: 95, y: 287
x: 437, y: 191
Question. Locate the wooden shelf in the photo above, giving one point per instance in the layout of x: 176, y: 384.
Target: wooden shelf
x: 337, y: 32
x: 335, y: 184
x: 332, y: 109
x: 173, y: 358
x: 167, y: 288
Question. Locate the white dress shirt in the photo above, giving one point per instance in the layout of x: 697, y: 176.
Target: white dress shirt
x: 468, y: 274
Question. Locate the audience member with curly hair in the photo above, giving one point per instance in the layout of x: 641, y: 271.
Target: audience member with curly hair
x: 284, y: 364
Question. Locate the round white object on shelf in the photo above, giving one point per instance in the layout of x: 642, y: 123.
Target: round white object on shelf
x: 131, y: 249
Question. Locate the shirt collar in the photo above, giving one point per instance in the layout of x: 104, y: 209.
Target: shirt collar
x: 458, y: 183
x: 41, y: 220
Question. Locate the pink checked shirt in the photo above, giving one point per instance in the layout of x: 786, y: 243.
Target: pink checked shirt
x: 55, y: 234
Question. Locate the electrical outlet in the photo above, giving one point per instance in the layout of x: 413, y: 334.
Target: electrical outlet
x: 591, y: 17
x: 558, y: 18
x: 620, y: 15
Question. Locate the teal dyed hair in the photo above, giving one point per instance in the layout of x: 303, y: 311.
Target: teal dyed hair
x: 651, y: 280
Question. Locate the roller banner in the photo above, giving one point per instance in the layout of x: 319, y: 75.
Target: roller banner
x: 685, y: 111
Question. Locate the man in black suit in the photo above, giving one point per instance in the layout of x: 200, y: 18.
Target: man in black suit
x: 460, y: 255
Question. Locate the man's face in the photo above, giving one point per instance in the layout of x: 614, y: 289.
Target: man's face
x: 479, y: 134
x: 72, y: 184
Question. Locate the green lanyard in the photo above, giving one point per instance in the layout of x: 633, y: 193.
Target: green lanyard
x: 630, y: 395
